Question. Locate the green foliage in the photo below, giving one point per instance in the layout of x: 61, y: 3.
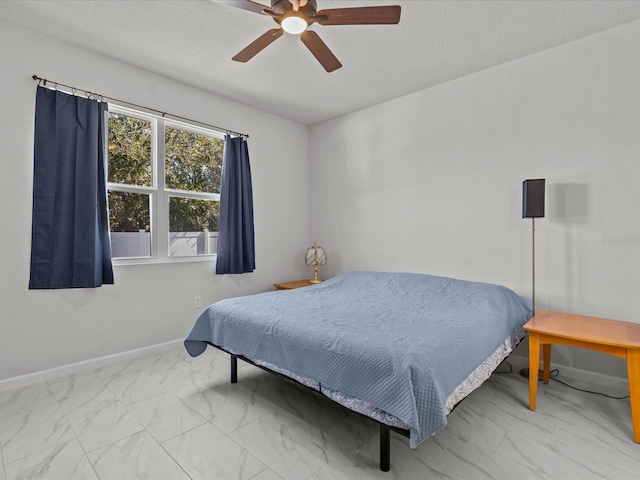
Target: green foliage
x: 193, y: 163
x: 128, y: 212
x: 129, y: 150
x: 191, y: 215
x: 129, y: 163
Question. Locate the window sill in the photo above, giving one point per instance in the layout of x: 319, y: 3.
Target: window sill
x: 163, y: 261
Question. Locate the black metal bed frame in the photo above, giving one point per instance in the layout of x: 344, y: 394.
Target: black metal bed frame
x: 385, y: 430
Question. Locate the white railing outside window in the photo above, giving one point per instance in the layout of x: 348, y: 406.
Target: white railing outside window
x: 186, y: 244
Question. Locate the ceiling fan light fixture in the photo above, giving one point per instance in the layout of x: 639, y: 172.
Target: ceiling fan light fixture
x: 296, y: 16
x: 294, y: 24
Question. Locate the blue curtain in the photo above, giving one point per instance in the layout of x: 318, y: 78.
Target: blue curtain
x: 236, y: 246
x: 70, y: 230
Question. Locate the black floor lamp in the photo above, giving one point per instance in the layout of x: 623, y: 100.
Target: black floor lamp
x: 533, y: 207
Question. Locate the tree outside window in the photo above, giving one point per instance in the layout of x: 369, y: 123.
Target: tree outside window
x: 161, y: 209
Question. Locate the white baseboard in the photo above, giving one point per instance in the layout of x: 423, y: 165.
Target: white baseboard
x: 620, y: 386
x: 601, y: 382
x: 85, y: 365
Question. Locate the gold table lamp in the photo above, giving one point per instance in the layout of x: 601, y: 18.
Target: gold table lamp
x: 315, y: 257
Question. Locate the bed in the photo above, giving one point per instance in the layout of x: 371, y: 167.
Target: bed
x: 400, y: 348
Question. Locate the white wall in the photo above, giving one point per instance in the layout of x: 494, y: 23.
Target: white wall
x: 148, y: 304
x: 431, y: 182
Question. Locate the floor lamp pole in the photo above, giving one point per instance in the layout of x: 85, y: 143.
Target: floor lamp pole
x: 532, y: 207
x: 533, y: 265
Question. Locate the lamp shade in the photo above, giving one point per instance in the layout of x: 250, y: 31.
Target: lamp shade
x: 533, y: 198
x: 315, y: 256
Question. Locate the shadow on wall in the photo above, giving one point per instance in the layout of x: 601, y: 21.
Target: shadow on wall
x: 569, y: 206
x: 334, y: 266
x: 569, y: 202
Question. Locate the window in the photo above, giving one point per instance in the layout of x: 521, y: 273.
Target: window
x: 163, y: 188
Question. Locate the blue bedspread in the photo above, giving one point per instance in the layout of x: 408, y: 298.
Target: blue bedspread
x: 400, y: 341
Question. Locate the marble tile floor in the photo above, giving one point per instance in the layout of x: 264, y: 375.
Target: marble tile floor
x: 169, y: 416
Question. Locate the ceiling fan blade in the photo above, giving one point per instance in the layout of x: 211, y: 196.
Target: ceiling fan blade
x: 385, y: 15
x: 320, y: 50
x: 247, y: 5
x: 258, y: 45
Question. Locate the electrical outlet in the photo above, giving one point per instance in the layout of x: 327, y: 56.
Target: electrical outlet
x: 196, y: 302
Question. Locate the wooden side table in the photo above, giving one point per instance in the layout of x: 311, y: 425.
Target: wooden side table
x: 292, y: 285
x: 614, y: 337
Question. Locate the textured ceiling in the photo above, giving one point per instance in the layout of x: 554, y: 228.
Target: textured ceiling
x: 436, y: 41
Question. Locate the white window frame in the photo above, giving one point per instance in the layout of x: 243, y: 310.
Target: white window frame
x: 158, y: 193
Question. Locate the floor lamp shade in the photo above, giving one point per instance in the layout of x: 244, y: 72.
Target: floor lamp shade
x: 533, y: 198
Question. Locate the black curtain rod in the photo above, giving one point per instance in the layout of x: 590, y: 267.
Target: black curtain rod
x: 43, y: 82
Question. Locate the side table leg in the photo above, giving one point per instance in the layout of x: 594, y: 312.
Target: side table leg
x: 633, y: 369
x: 534, y: 362
x: 546, y: 361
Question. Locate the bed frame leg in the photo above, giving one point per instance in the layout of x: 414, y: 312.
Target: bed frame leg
x: 234, y: 369
x: 385, y: 448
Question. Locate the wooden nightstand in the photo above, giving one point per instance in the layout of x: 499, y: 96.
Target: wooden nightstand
x: 292, y: 285
x: 614, y: 337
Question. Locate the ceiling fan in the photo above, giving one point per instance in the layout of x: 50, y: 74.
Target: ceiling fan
x: 294, y: 16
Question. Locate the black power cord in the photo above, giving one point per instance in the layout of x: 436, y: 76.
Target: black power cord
x: 554, y: 373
